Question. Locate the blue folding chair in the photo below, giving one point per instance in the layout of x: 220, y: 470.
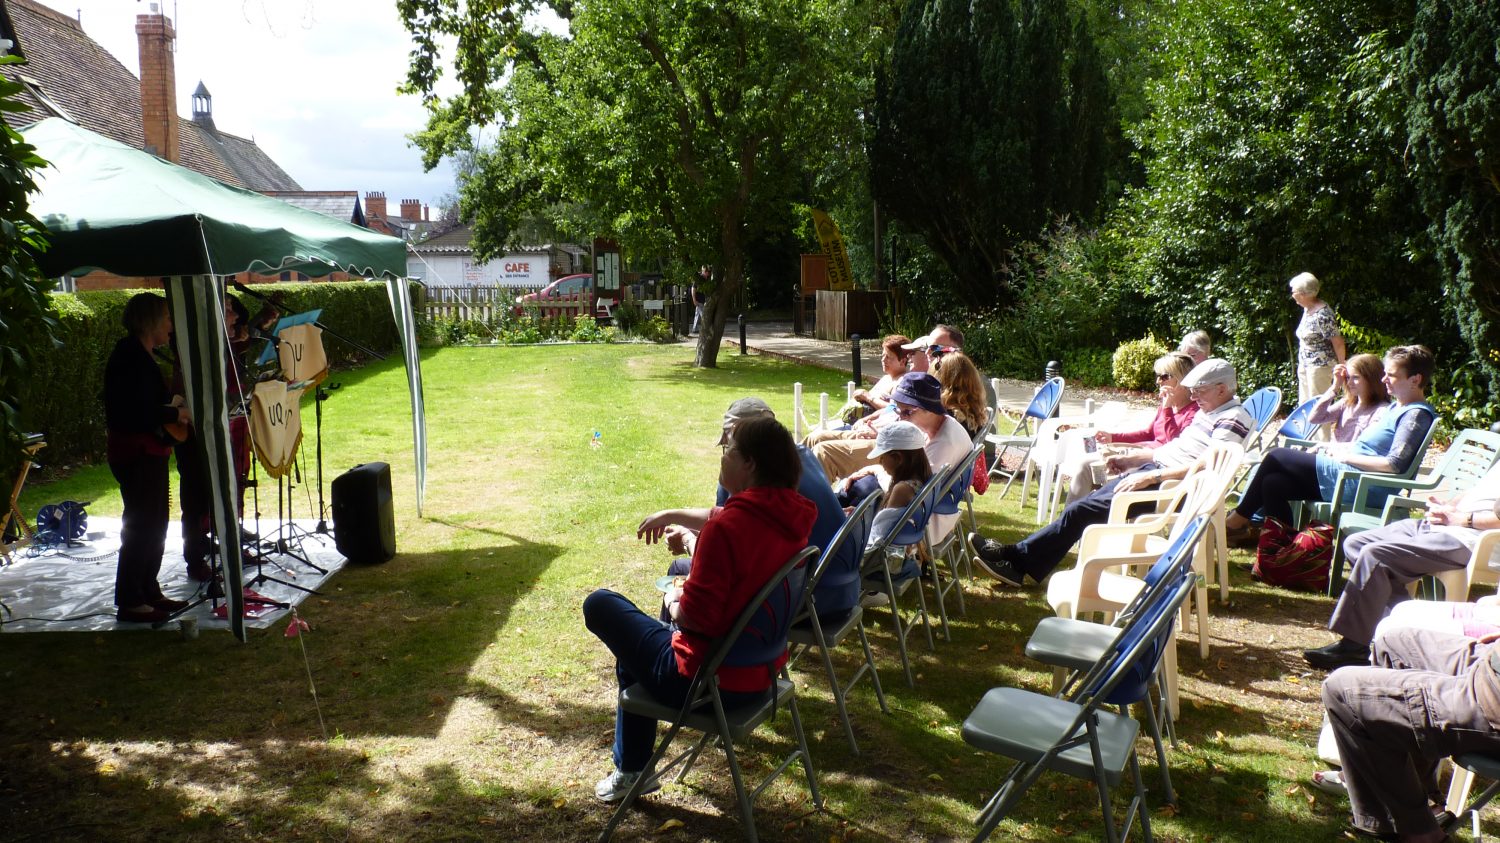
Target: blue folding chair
x: 1042, y: 406
x: 1075, y: 734
x: 811, y: 629
x: 758, y: 637
x: 911, y: 527
x: 1262, y: 406
x: 1077, y: 645
x: 953, y: 547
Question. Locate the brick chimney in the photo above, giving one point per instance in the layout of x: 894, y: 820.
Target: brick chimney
x: 158, y: 83
x: 411, y: 209
x: 375, y: 204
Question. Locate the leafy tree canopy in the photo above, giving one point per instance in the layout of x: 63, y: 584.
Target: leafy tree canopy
x: 28, y: 323
x: 662, y: 124
x: 1450, y: 72
x: 991, y: 119
x: 1269, y: 151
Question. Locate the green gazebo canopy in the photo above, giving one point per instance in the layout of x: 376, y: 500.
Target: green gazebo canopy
x: 109, y: 206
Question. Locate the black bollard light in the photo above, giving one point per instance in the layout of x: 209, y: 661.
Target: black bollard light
x: 743, y: 350
x: 1053, y: 369
x: 854, y: 341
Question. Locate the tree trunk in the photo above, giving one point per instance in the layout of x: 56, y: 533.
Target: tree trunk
x: 721, y: 302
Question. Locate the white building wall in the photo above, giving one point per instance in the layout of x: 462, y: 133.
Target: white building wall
x: 515, y: 270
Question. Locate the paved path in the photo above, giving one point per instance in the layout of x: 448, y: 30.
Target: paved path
x: 776, y: 339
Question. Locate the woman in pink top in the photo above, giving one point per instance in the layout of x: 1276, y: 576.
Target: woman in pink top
x: 1365, y: 398
x: 1172, y: 418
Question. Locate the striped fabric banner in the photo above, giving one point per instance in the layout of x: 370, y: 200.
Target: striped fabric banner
x: 406, y: 325
x: 197, y: 303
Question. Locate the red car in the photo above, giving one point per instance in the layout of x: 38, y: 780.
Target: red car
x: 564, y: 292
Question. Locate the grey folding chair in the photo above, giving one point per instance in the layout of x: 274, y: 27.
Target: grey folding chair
x: 765, y: 621
x: 824, y: 632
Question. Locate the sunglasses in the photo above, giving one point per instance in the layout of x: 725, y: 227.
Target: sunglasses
x: 903, y: 411
x: 1163, y: 378
x: 940, y: 350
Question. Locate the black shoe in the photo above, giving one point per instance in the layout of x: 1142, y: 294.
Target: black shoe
x: 199, y: 571
x: 1341, y: 653
x: 987, y: 548
x: 999, y: 569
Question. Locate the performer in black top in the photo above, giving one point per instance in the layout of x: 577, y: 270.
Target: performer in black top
x: 139, y: 412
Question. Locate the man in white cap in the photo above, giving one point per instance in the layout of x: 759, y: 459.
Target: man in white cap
x: 944, y: 339
x: 1220, y: 418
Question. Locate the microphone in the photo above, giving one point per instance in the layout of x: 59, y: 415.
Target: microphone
x: 258, y: 334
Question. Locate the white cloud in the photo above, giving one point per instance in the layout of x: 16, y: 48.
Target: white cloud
x: 312, y: 81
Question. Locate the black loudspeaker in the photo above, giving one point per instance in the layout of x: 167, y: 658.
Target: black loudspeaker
x: 364, y: 521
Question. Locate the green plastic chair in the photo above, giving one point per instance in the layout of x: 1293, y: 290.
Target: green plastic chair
x: 1467, y: 460
x: 1331, y: 511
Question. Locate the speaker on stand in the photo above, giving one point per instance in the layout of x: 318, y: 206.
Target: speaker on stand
x: 364, y: 520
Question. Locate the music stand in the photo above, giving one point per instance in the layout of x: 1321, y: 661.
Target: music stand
x: 268, y: 353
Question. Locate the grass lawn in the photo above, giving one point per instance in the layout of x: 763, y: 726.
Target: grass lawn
x: 467, y: 701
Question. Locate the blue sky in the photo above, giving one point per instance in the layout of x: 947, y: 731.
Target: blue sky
x: 312, y: 81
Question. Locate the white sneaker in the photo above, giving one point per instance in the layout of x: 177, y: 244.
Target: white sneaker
x: 874, y: 600
x: 613, y: 787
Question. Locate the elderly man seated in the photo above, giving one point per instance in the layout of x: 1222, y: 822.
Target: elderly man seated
x: 1430, y: 696
x: 1220, y: 418
x: 1383, y: 560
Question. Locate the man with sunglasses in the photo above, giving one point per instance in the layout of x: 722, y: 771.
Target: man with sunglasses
x: 944, y: 339
x: 1220, y: 418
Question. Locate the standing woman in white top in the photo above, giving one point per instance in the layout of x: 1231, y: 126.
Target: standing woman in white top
x: 1320, y: 345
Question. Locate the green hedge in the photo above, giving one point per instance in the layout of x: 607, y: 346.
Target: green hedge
x: 63, y: 398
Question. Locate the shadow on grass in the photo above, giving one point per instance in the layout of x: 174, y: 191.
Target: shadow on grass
x: 382, y: 661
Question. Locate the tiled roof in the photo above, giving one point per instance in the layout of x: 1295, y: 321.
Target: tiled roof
x: 68, y: 75
x: 254, y: 168
x: 342, y: 205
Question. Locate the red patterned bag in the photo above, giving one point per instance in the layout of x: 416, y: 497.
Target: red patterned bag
x: 981, y: 475
x: 1299, y: 561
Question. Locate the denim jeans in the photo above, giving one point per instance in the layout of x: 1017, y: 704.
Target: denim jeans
x: 643, y: 654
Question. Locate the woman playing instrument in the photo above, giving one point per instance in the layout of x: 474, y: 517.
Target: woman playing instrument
x: 138, y: 407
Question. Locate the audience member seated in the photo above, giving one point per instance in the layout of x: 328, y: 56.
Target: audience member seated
x: 1196, y: 345
x: 963, y: 391
x: 1390, y: 445
x: 944, y: 339
x: 838, y: 591
x: 1383, y: 560
x: 894, y: 361
x: 1428, y: 697
x: 1172, y: 418
x: 1362, y: 381
x: 901, y: 450
x: 740, y: 546
x: 918, y: 400
x: 1220, y: 418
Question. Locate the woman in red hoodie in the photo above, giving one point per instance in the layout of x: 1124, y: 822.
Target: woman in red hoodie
x: 740, y: 546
